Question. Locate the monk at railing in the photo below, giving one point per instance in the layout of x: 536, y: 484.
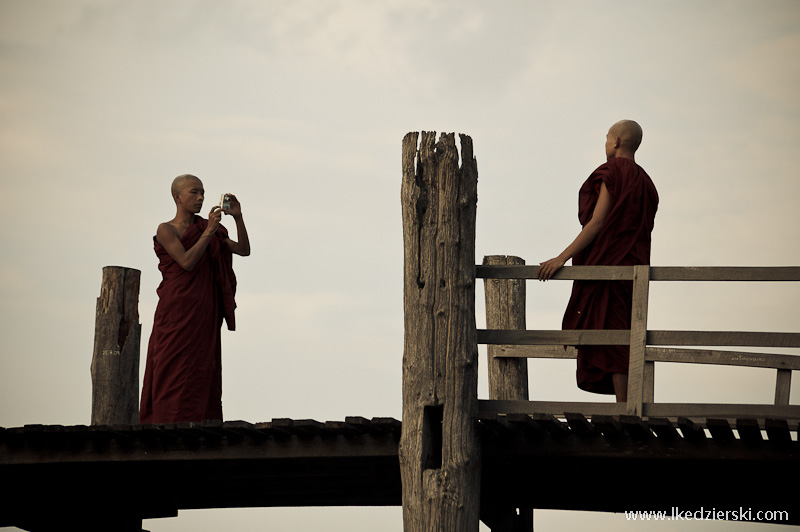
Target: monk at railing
x: 616, y: 207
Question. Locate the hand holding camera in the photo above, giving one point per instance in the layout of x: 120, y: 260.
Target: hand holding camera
x: 214, y: 218
x: 230, y: 205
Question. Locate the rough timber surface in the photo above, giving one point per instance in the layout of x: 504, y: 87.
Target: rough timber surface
x: 149, y: 471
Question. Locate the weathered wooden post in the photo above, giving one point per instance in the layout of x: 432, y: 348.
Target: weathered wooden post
x: 115, y: 362
x: 439, y: 445
x: 508, y: 377
x: 505, y: 309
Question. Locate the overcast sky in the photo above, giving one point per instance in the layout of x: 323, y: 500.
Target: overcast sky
x: 299, y: 108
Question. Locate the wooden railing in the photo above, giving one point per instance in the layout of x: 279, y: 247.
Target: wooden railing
x: 646, y: 346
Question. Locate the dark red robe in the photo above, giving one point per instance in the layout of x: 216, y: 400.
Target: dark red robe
x: 183, y: 374
x: 624, y: 240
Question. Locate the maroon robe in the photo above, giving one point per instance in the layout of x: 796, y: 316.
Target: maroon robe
x: 183, y: 374
x: 624, y: 240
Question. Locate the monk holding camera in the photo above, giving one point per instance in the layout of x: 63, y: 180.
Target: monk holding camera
x: 183, y: 373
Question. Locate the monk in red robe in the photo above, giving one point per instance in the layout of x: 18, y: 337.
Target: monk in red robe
x: 183, y: 374
x: 617, y: 208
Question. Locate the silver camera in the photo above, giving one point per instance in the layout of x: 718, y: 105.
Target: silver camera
x: 225, y: 202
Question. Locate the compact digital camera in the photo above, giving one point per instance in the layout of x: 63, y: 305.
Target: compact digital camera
x: 225, y: 202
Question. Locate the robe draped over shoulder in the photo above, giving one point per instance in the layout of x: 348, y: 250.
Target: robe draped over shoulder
x: 624, y: 240
x: 183, y: 373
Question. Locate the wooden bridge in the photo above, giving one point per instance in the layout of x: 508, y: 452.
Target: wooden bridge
x: 110, y: 478
x: 454, y: 459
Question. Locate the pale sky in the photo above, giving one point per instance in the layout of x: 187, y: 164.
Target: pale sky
x: 299, y: 108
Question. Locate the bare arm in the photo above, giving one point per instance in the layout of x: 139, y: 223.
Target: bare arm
x: 242, y: 247
x: 584, y: 238
x: 167, y: 236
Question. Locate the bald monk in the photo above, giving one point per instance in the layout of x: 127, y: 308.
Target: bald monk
x: 183, y: 374
x: 616, y: 207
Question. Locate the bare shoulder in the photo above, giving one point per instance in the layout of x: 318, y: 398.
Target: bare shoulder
x: 166, y: 232
x: 167, y: 227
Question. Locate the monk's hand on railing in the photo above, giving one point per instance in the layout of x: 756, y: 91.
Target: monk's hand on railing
x: 548, y: 268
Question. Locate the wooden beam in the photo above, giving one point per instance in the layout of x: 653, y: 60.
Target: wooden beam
x: 783, y: 385
x: 488, y: 406
x: 725, y: 273
x: 590, y: 273
x: 777, y: 430
x: 728, y: 358
x: 666, y: 410
x: 621, y: 337
x: 535, y: 351
x: 572, y: 337
x: 638, y: 341
x: 749, y: 430
x: 649, y: 392
x: 664, y: 429
x: 663, y: 354
x: 722, y: 410
x: 657, y: 273
x: 732, y: 338
x: 720, y: 430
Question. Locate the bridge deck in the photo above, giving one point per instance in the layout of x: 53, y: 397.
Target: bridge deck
x: 56, y: 474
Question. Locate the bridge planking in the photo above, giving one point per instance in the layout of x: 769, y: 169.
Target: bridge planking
x: 572, y: 464
x: 100, y: 476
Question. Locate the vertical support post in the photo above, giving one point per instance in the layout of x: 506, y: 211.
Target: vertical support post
x: 636, y: 368
x: 439, y: 446
x: 115, y: 362
x: 505, y: 309
x: 649, y: 393
x: 783, y: 385
x: 508, y: 377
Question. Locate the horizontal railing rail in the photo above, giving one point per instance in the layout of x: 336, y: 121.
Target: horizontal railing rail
x: 622, y: 336
x: 657, y: 273
x: 644, y: 351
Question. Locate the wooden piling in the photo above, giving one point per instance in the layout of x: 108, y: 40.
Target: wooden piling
x: 508, y: 377
x: 115, y: 362
x: 439, y: 447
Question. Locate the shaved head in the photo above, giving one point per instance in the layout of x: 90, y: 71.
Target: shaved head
x: 629, y: 133
x: 180, y: 182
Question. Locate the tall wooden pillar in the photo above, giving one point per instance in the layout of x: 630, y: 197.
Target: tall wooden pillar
x: 439, y: 445
x: 115, y: 362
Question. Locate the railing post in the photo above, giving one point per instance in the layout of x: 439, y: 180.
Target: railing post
x: 439, y: 452
x: 636, y: 368
x: 508, y: 377
x: 505, y: 309
x: 783, y: 384
x: 115, y: 361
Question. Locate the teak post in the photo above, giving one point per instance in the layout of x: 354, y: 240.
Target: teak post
x: 508, y: 377
x: 439, y: 445
x: 637, y: 367
x: 505, y: 309
x: 115, y: 362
